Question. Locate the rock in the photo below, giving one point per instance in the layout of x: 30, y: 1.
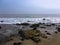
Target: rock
x: 45, y: 31
x: 22, y: 39
x: 53, y: 24
x: 17, y: 24
x: 58, y: 29
x: 0, y: 27
x: 21, y: 33
x: 43, y: 36
x: 36, y: 39
x: 42, y: 27
x: 56, y: 32
x: 44, y: 19
x: 34, y: 28
x: 25, y: 24
x: 48, y: 33
x: 2, y: 21
x: 48, y: 25
x: 17, y: 43
x: 32, y: 34
x: 34, y: 25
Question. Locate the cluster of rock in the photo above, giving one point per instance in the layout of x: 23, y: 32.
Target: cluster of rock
x: 32, y: 34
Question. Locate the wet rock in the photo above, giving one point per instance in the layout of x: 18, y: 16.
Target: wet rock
x: 32, y: 34
x: 25, y: 24
x: 40, y: 23
x: 34, y: 25
x: 58, y: 29
x: 36, y: 39
x: 45, y: 31
x: 56, y: 32
x: 48, y: 33
x: 44, y: 19
x: 2, y: 21
x: 43, y: 36
x: 17, y: 24
x: 48, y: 25
x: 42, y: 27
x: 53, y: 24
x: 17, y: 43
x: 22, y: 39
x: 21, y: 33
x: 0, y: 27
x: 34, y: 28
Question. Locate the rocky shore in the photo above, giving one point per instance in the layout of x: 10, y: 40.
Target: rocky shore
x: 28, y: 34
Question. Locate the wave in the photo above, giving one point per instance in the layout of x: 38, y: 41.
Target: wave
x: 29, y: 20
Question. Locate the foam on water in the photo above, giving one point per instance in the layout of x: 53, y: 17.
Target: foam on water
x: 30, y: 20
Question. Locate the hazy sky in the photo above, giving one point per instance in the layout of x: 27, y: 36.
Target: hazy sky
x: 30, y: 6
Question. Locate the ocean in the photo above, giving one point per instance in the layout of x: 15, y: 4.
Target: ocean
x: 30, y: 20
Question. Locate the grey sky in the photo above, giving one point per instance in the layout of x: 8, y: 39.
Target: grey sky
x: 29, y: 6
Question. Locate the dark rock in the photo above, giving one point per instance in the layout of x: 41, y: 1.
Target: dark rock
x: 0, y: 27
x: 58, y: 29
x: 48, y: 33
x: 48, y: 25
x: 44, y: 19
x: 43, y: 36
x: 17, y: 43
x: 45, y: 31
x: 22, y: 39
x: 40, y: 23
x: 56, y: 32
x: 42, y: 27
x: 34, y: 28
x: 34, y: 25
x: 53, y: 24
x: 1, y: 21
x: 36, y: 40
x: 17, y: 24
x: 25, y: 24
x: 21, y: 33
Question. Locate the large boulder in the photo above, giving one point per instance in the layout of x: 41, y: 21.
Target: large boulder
x: 32, y: 34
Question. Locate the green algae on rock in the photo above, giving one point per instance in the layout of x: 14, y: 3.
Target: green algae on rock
x: 33, y: 34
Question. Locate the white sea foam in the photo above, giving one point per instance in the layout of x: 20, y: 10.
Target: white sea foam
x: 30, y: 20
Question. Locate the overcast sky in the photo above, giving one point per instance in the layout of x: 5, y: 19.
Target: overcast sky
x: 30, y: 6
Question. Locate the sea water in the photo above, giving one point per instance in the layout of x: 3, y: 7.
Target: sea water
x: 30, y: 20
